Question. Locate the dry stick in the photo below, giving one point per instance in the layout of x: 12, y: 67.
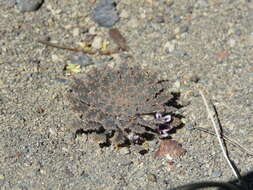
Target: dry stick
x: 221, y: 142
x: 233, y: 142
x: 105, y: 52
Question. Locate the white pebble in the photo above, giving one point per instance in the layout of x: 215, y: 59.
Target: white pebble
x: 97, y: 42
x: 177, y: 84
x: 92, y: 30
x: 124, y: 14
x: 75, y: 32
x: 232, y: 43
x: 170, y: 46
x: 124, y: 150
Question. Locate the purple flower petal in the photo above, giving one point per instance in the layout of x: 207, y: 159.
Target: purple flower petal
x: 167, y: 118
x: 158, y: 115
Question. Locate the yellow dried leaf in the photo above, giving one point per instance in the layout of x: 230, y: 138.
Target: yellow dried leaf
x: 105, y: 44
x: 73, y: 68
x: 82, y: 45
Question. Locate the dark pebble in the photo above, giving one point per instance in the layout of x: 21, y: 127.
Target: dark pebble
x: 152, y: 177
x: 159, y: 19
x: 105, y: 13
x: 184, y: 29
x: 29, y: 5
x: 176, y: 19
x: 194, y: 79
x: 238, y: 32
x: 84, y: 174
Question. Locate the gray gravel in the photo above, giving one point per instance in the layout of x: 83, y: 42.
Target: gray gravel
x: 28, y: 5
x: 105, y: 13
x: 211, y: 40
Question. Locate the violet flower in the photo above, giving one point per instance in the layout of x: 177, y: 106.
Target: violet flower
x: 163, y: 123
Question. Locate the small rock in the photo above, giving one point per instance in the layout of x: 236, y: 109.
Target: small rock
x: 177, y: 30
x: 133, y: 23
x: 28, y: 5
x: 216, y: 173
x: 222, y: 54
x: 124, y: 151
x: 81, y: 59
x: 202, y: 3
x: 105, y: 13
x: 180, y: 53
x: 124, y: 14
x: 183, y: 29
x: 238, y: 32
x: 190, y: 126
x: 52, y: 132
x: 152, y: 144
x: 159, y: 19
x: 170, y: 46
x: 10, y: 2
x: 177, y: 84
x: 152, y: 177
x: 170, y: 3
x: 2, y: 177
x: 176, y: 19
x: 93, y: 30
x: 75, y: 32
x: 171, y: 149
x: 232, y: 43
x: 194, y: 79
x: 250, y: 39
x: 97, y: 43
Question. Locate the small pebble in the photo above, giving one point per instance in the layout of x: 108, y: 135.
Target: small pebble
x: 28, y: 5
x: 75, y: 32
x: 105, y: 13
x: 1, y: 177
x: 81, y: 59
x: 216, y: 173
x: 190, y: 126
x: 159, y: 19
x: 177, y: 84
x: 124, y: 151
x: 152, y: 177
x: 176, y: 19
x: 238, y: 32
x: 202, y: 3
x: 250, y: 39
x: 93, y: 30
x: 133, y: 23
x: 194, y: 79
x: 180, y: 53
x: 52, y: 132
x: 232, y: 42
x: 169, y: 46
x: 97, y: 43
x: 183, y: 29
x: 124, y: 14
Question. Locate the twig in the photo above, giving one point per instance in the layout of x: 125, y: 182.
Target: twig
x: 87, y: 51
x: 233, y: 142
x: 221, y: 142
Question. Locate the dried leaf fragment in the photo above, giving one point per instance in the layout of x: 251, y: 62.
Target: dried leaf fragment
x: 118, y: 38
x: 73, y: 68
x: 170, y: 148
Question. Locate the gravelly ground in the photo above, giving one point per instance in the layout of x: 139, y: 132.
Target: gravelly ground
x: 208, y: 40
